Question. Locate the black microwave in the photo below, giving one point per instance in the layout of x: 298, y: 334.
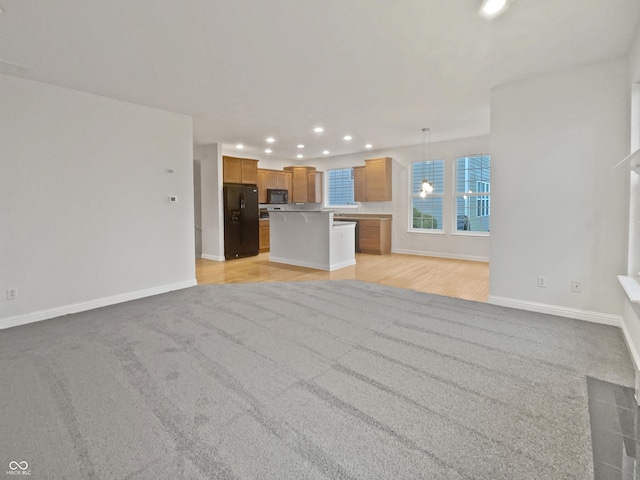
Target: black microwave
x: 277, y: 196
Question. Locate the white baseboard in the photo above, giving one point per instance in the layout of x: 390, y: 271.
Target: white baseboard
x: 299, y: 263
x: 337, y: 266
x: 586, y: 315
x: 16, y: 320
x: 453, y: 256
x: 215, y: 258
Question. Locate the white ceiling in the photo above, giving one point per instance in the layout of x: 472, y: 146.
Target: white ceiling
x: 379, y: 70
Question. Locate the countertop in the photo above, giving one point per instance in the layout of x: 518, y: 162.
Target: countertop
x: 341, y: 217
x: 351, y: 217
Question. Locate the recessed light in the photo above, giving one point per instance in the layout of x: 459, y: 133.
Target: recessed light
x: 239, y: 146
x: 268, y: 150
x: 326, y: 152
x: 318, y: 129
x: 270, y: 139
x: 492, y: 8
x: 300, y: 145
x: 368, y: 145
x: 347, y: 137
x: 300, y: 155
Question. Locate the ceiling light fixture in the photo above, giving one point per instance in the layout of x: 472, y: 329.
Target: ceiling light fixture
x: 325, y: 152
x: 490, y: 9
x: 318, y: 129
x: 268, y: 150
x: 271, y: 140
x: 347, y: 137
x: 368, y: 145
x: 300, y: 155
x: 239, y: 146
x: 300, y: 145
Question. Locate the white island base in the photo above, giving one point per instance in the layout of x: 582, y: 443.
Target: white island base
x: 310, y: 239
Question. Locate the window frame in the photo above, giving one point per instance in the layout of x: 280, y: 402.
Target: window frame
x: 327, y: 198
x: 432, y: 231
x: 470, y: 196
x: 483, y: 204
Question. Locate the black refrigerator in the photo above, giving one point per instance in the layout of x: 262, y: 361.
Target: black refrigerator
x: 241, y: 221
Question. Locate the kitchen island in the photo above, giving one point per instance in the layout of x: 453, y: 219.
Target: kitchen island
x: 311, y: 239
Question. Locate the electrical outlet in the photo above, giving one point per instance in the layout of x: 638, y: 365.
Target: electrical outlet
x: 12, y: 293
x: 576, y: 287
x: 542, y: 282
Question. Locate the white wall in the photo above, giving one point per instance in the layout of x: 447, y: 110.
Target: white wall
x: 446, y: 244
x: 84, y: 217
x: 197, y: 205
x: 558, y: 208
x: 209, y: 160
x: 631, y: 316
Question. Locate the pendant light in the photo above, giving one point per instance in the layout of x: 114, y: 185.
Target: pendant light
x: 427, y: 185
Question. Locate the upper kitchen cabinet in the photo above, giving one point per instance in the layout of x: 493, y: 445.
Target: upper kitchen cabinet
x: 372, y: 183
x: 306, y: 185
x: 262, y: 185
x: 276, y: 179
x: 239, y: 170
x: 315, y: 186
x: 283, y: 180
x: 359, y: 184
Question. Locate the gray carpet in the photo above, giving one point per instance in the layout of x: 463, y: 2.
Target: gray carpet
x: 309, y: 380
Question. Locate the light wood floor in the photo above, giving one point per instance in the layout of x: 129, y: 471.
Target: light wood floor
x: 453, y: 278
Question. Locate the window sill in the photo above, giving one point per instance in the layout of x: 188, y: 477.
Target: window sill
x: 471, y: 234
x: 426, y: 232
x: 631, y: 287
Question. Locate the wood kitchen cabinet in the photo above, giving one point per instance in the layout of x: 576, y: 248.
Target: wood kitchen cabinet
x: 264, y: 243
x: 306, y: 185
x: 239, y: 170
x: 272, y: 179
x: 262, y: 186
x: 283, y: 180
x: 314, y: 181
x: 374, y: 236
x: 372, y: 183
x: 359, y: 185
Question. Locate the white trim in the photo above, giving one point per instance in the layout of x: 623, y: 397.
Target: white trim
x: 631, y: 287
x: 24, y: 319
x: 346, y: 263
x: 317, y: 266
x: 215, y: 258
x: 453, y: 256
x: 427, y: 231
x: 586, y: 315
x: 470, y: 233
x: 630, y: 345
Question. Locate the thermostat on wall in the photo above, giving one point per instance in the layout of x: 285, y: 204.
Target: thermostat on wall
x: 172, y: 199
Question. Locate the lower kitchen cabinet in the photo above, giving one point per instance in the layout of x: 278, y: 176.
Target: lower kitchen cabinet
x: 374, y: 236
x: 264, y: 236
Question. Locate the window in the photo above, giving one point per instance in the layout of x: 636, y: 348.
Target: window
x: 341, y: 187
x: 473, y: 193
x: 427, y: 211
x: 482, y: 201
